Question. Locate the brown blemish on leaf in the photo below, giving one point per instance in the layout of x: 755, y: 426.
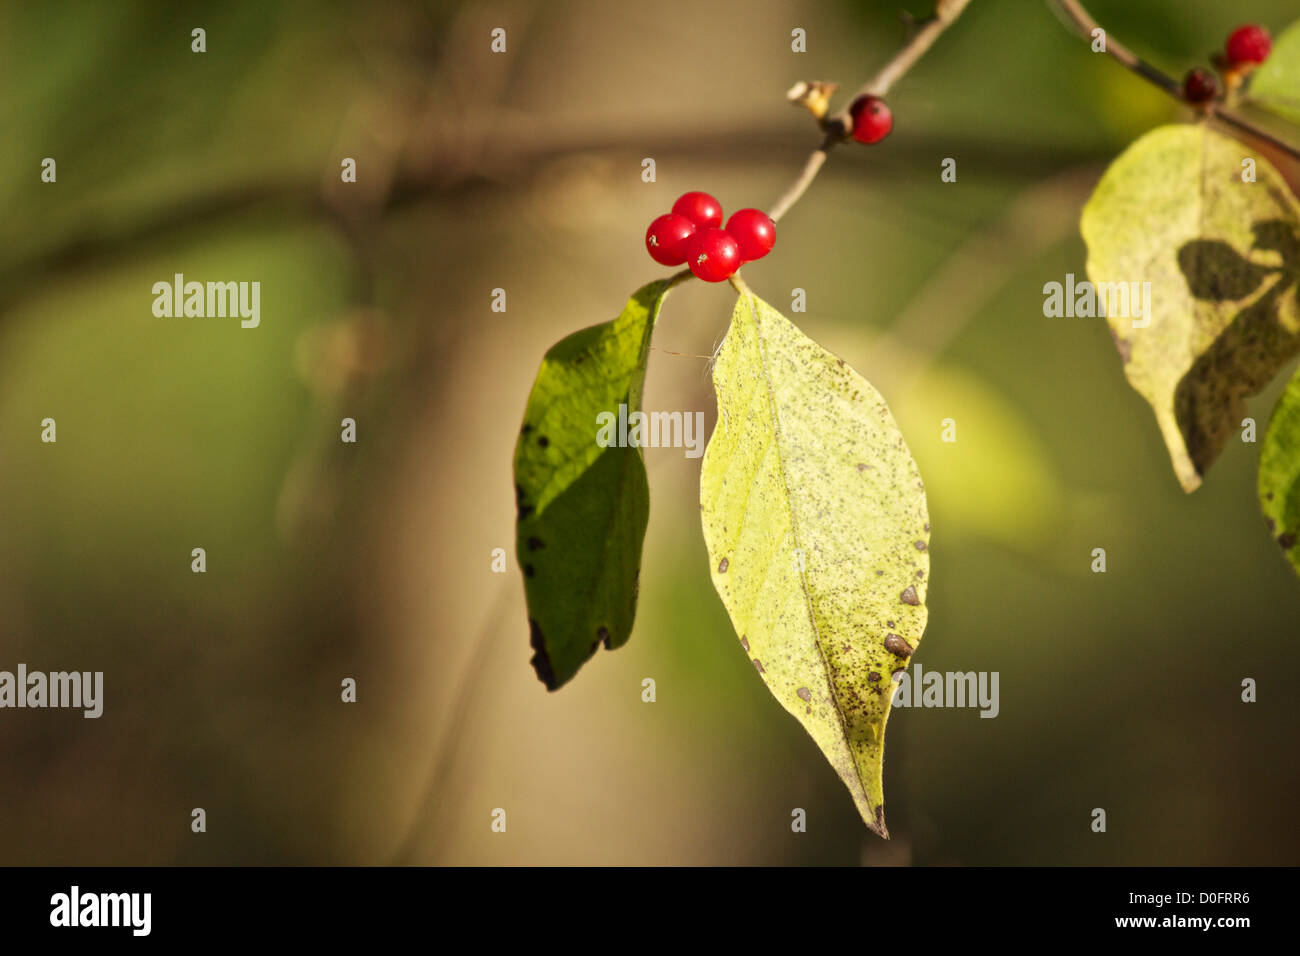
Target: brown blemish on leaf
x: 535, y: 544
x: 909, y: 596
x: 602, y: 632
x: 861, y: 467
x: 1123, y: 347
x: 804, y: 694
x: 873, y: 676
x: 920, y: 545
x: 896, y: 645
x: 759, y: 665
x: 1287, y: 541
x: 744, y: 642
x: 526, y: 429
x: 543, y: 441
x: 528, y: 570
x: 722, y: 566
x: 540, y: 661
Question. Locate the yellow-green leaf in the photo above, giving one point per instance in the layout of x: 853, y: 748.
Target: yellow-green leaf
x: 1276, y: 84
x: 1279, y: 473
x: 1222, y: 256
x: 583, y: 508
x: 815, y: 520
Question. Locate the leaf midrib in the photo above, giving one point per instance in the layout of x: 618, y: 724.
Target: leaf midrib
x: 803, y: 580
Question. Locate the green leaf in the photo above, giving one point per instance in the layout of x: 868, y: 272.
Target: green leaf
x: 815, y: 520
x: 1223, y: 260
x: 1276, y: 84
x: 582, y: 507
x: 1279, y: 473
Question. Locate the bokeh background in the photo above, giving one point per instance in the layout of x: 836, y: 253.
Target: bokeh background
x: 373, y: 560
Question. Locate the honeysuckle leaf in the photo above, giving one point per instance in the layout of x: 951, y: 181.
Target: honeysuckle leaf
x: 583, y: 507
x: 816, y: 526
x: 1222, y: 256
x: 1279, y: 473
x: 1276, y: 84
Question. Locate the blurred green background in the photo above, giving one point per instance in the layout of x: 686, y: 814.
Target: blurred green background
x: 373, y: 560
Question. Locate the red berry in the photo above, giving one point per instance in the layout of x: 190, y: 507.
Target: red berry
x: 700, y: 208
x: 753, y: 232
x: 1200, y: 86
x: 665, y: 240
x: 712, y: 254
x: 1249, y: 44
x: 872, y: 120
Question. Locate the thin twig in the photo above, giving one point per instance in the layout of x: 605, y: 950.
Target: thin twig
x: 838, y: 127
x: 1084, y: 22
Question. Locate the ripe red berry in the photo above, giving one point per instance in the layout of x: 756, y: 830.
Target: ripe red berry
x: 712, y: 254
x: 665, y: 240
x: 1249, y: 44
x: 753, y: 232
x: 1200, y: 86
x: 872, y: 120
x: 700, y: 208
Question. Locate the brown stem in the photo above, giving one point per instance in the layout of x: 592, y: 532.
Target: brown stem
x: 838, y: 126
x: 1083, y: 21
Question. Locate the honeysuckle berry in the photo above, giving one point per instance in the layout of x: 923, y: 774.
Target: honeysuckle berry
x: 712, y: 254
x: 753, y: 231
x: 700, y: 208
x: 665, y: 240
x: 1200, y: 86
x: 872, y: 119
x: 1249, y: 44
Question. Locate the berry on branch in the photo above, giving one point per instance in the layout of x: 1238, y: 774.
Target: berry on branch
x: 665, y: 240
x: 1200, y: 86
x: 872, y: 119
x: 1249, y: 44
x: 700, y: 208
x: 753, y: 231
x: 712, y: 254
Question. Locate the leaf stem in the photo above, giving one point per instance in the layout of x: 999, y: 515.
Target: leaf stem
x: 1083, y: 21
x: 838, y: 127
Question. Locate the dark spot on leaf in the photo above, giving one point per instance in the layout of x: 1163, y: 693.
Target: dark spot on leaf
x: 1287, y: 541
x: 543, y: 441
x: 759, y: 665
x: 535, y: 544
x: 889, y: 624
x: 861, y: 467
x: 602, y: 632
x: 526, y: 429
x: 1123, y: 347
x: 873, y: 676
x: 909, y: 596
x: 927, y: 527
x: 525, y: 511
x: 920, y: 545
x: 804, y: 694
x: 879, y: 573
x: 897, y: 646
x: 722, y: 566
x: 920, y: 574
x: 540, y: 661
x: 528, y: 571
x: 1271, y: 525
x: 841, y: 362
x: 744, y: 642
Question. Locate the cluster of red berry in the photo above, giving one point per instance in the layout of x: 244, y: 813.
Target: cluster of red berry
x: 1247, y: 47
x: 691, y: 233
